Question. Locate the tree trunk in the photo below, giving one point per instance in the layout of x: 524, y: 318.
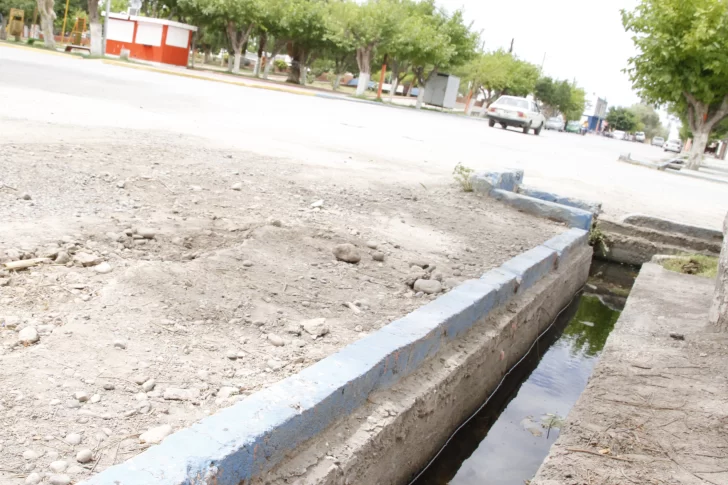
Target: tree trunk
x: 700, y: 141
x: 395, y: 80
x: 208, y: 55
x: 47, y: 16
x: 261, y: 53
x: 238, y: 40
x: 423, y: 88
x: 303, y: 73
x: 278, y: 45
x: 364, y: 61
x: 337, y: 82
x: 3, y: 26
x: 194, y: 48
x: 294, y: 75
x: 719, y: 310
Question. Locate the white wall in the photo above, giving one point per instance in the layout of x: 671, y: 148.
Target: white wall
x: 177, y: 37
x: 121, y: 30
x: 148, y: 34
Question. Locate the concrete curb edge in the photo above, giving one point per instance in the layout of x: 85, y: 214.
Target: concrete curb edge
x: 242, y: 441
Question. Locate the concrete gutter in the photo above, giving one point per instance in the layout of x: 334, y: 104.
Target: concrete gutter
x: 244, y: 441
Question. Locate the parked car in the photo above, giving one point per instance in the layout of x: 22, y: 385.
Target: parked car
x: 618, y: 135
x: 554, y: 124
x: 658, y: 141
x: 512, y: 111
x: 639, y: 136
x: 673, y: 146
x: 573, y: 127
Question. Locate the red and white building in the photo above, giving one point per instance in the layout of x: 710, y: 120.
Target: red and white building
x: 149, y: 39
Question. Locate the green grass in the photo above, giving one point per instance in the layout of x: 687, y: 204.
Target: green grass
x: 694, y: 264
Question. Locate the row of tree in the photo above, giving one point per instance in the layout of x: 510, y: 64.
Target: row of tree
x: 638, y: 117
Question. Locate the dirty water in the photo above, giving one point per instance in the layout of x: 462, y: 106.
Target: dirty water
x: 508, y: 440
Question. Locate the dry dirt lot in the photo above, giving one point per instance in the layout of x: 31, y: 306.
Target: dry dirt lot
x: 192, y: 277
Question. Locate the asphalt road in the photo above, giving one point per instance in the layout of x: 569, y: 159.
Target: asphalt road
x: 364, y: 143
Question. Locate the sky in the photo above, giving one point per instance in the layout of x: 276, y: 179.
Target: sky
x: 582, y: 39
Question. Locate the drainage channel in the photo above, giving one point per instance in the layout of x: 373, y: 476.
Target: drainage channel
x: 506, y: 442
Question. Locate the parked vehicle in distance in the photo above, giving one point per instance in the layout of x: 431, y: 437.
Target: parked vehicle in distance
x: 618, y: 135
x: 573, y: 127
x: 673, y: 146
x: 513, y: 111
x: 658, y: 141
x: 554, y: 124
x: 639, y: 136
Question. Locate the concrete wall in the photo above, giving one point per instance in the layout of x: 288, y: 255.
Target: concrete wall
x: 245, y: 441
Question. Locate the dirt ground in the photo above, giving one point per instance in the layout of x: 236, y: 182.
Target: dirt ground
x: 191, y: 278
x: 655, y: 410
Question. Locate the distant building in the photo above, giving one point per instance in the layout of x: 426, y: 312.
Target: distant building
x: 595, y: 111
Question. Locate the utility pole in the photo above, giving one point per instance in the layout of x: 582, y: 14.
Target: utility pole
x: 106, y: 25
x: 510, y: 51
x: 543, y: 61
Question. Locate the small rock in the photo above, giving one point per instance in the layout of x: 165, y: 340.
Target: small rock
x: 275, y: 364
x: 120, y: 184
x: 146, y: 232
x: 276, y: 340
x: 149, y: 385
x: 95, y: 398
x: 59, y: 480
x: 318, y: 203
x: 73, y: 439
x: 430, y: 287
x: 81, y: 396
x: 173, y: 394
x: 677, y: 336
x: 10, y: 322
x: 316, y: 327
x: 58, y: 466
x: 457, y: 272
x: 103, y: 268
x: 75, y: 470
x: 347, y: 252
x: 372, y: 245
x: 247, y: 263
x: 413, y: 276
x: 86, y: 259
x: 358, y: 328
x: 109, y: 386
x: 237, y: 186
x: 378, y: 256
x: 156, y: 435
x: 226, y: 392
x: 33, y: 479
x: 26, y: 196
x: 140, y: 379
x: 119, y: 344
x: 30, y: 455
x: 29, y: 335
x: 231, y: 354
x: 84, y: 456
x: 276, y: 223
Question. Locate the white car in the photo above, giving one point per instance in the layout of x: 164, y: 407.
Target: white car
x: 513, y: 111
x: 658, y: 141
x: 639, y: 136
x: 673, y: 146
x: 618, y: 135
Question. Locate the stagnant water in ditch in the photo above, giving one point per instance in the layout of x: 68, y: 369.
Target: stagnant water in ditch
x: 506, y: 442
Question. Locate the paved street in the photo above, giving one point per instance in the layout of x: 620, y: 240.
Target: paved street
x: 358, y: 143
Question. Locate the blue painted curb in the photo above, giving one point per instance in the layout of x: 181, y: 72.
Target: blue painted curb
x: 243, y: 441
x: 593, y: 207
x: 570, y: 215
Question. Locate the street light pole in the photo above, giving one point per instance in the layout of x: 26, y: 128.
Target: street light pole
x: 106, y: 24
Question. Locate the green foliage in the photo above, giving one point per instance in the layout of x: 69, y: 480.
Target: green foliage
x: 462, y: 174
x: 693, y: 264
x: 648, y: 121
x: 562, y: 97
x: 621, y: 118
x: 30, y: 41
x: 598, y: 239
x: 499, y: 72
x: 280, y: 64
x: 683, y: 47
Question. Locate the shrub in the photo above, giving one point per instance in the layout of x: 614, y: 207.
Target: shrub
x: 280, y: 65
x: 462, y: 174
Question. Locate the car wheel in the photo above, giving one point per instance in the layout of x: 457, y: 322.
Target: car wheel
x: 491, y: 123
x: 526, y: 129
x: 504, y: 126
x: 537, y: 131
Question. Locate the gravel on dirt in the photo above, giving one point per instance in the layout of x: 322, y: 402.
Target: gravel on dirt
x: 207, y: 293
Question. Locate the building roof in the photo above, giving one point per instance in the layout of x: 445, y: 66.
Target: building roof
x: 150, y: 20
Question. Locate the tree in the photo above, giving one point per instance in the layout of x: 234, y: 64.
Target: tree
x: 649, y: 120
x: 573, y: 107
x: 493, y: 74
x: 621, y: 118
x: 719, y: 309
x: 443, y: 42
x: 97, y: 42
x: 683, y: 60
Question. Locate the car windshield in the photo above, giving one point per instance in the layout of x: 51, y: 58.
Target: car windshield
x: 574, y: 123
x: 515, y: 102
x: 639, y: 133
x: 676, y: 142
x: 659, y: 138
